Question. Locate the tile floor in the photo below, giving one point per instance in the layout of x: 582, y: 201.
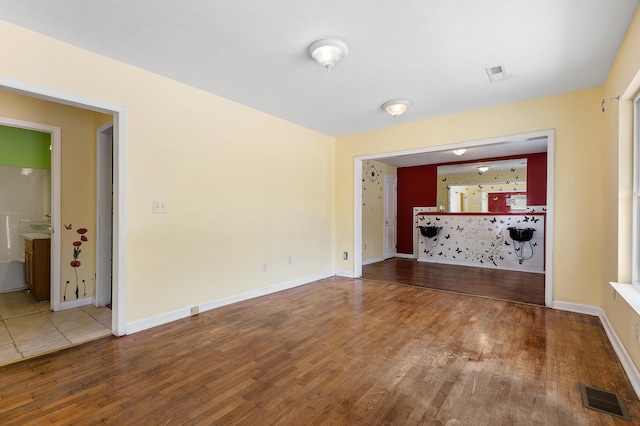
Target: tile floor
x: 29, y: 328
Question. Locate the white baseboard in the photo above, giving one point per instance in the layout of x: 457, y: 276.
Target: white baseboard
x: 346, y: 274
x: 144, y: 324
x: 577, y: 308
x: 370, y: 261
x: 627, y: 363
x: 75, y: 303
x: 406, y: 256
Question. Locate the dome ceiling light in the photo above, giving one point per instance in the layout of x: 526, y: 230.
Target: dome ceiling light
x: 459, y: 152
x: 328, y: 52
x: 396, y: 107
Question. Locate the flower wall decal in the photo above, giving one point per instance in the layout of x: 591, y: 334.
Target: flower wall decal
x: 75, y: 263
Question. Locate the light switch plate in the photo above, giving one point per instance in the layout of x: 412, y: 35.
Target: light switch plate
x: 159, y: 206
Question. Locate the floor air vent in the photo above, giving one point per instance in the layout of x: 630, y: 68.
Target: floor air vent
x: 606, y: 402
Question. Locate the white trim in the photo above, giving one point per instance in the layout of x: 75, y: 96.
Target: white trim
x: 119, y: 181
x: 549, y: 218
x: 627, y: 363
x: 370, y: 261
x: 144, y: 324
x: 357, y: 192
x: 104, y: 213
x: 76, y: 303
x: 56, y: 139
x: 357, y: 221
x: 635, y: 194
x: 347, y: 274
x: 407, y: 256
x: 577, y: 308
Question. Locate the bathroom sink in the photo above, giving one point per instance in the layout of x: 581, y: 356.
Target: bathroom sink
x: 429, y: 231
x: 521, y: 234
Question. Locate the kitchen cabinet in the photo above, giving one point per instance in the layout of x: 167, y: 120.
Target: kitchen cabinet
x: 37, y: 257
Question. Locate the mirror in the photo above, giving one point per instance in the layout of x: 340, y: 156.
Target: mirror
x: 469, y: 187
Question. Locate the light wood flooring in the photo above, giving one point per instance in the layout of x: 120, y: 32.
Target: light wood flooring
x: 29, y: 328
x: 515, y: 286
x: 337, y: 351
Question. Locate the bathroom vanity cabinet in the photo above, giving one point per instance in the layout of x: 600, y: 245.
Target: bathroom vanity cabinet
x: 37, y: 255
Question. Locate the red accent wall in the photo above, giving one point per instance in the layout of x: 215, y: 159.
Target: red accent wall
x: 497, y: 202
x: 537, y: 179
x: 417, y: 187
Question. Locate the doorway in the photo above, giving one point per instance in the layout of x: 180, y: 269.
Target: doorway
x: 54, y: 199
x: 118, y: 112
x: 548, y: 135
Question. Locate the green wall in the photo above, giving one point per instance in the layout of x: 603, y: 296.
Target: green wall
x: 24, y: 148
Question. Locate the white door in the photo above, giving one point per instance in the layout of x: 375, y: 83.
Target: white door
x: 104, y: 215
x: 390, y: 215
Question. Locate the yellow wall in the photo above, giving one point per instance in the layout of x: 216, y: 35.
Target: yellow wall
x: 77, y: 175
x: 579, y: 125
x: 624, y: 81
x: 373, y: 173
x: 242, y: 188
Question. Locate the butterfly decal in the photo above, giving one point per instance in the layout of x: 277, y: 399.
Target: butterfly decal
x: 506, y: 243
x: 447, y: 236
x: 67, y: 227
x: 513, y: 170
x: 444, y: 180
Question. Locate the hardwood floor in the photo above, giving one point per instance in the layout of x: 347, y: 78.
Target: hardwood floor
x: 524, y: 287
x: 337, y: 351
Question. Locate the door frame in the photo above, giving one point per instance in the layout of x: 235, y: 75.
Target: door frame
x: 394, y: 198
x: 357, y: 192
x: 104, y: 213
x: 55, y: 133
x: 118, y: 322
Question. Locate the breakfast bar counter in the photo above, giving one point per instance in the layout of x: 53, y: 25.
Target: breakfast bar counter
x: 512, y: 241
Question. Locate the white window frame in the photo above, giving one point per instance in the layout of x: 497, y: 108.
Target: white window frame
x: 635, y: 252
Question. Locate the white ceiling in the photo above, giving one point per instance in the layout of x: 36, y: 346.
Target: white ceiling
x: 432, y: 52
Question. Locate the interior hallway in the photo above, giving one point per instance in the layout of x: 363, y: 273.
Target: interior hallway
x: 29, y: 328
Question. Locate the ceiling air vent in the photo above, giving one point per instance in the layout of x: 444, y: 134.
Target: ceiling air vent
x: 496, y: 73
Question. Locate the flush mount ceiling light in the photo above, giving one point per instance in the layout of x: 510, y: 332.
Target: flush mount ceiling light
x: 459, y: 151
x: 396, y: 107
x: 483, y: 168
x: 328, y: 52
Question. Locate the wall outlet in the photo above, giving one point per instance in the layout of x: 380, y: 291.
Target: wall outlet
x: 264, y: 267
x: 195, y: 310
x: 290, y: 260
x: 365, y: 246
x: 159, y: 206
x: 345, y: 255
x: 638, y: 330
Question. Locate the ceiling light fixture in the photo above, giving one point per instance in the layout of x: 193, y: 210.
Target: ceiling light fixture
x: 460, y: 151
x: 396, y: 107
x: 483, y: 168
x: 328, y: 52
